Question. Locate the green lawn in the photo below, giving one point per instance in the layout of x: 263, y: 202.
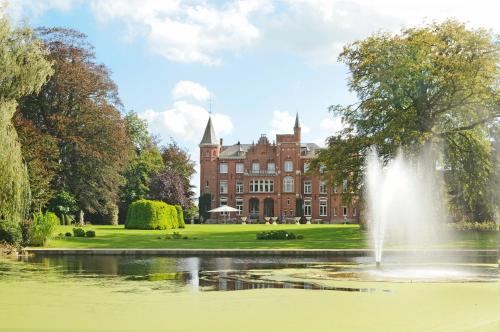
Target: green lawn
x: 243, y: 237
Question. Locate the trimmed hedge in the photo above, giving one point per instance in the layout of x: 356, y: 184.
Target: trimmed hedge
x: 180, y: 216
x: 148, y: 214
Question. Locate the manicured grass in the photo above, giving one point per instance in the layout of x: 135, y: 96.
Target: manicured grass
x: 243, y: 237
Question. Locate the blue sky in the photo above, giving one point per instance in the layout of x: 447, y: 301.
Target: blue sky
x: 259, y: 61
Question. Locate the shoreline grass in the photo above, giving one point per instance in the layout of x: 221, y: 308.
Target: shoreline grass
x: 244, y: 237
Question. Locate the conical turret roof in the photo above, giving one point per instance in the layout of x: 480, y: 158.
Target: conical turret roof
x: 209, y: 137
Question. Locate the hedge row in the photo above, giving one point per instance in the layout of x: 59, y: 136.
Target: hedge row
x: 147, y: 214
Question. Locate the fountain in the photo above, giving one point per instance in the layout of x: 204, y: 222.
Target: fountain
x: 404, y: 205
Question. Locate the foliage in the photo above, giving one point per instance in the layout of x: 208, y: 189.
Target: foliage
x: 41, y: 154
x: 10, y: 232
x: 466, y: 226
x: 90, y: 233
x: 138, y: 173
x: 180, y: 216
x: 67, y: 234
x: 167, y: 186
x: 65, y: 205
x: 79, y: 108
x: 299, y: 210
x: 434, y: 84
x: 204, y: 205
x: 179, y: 161
x: 23, y: 70
x: 147, y: 214
x: 137, y: 129
x: 277, y: 235
x: 44, y: 225
x: 26, y: 227
x: 78, y: 232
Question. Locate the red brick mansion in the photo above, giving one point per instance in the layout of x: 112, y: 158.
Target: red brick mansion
x: 268, y: 179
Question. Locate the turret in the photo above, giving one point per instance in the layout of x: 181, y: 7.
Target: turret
x: 209, y: 153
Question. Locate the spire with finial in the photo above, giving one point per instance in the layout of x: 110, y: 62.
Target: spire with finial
x: 297, y: 124
x: 209, y: 137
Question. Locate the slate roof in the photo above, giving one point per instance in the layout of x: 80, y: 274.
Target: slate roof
x: 209, y: 137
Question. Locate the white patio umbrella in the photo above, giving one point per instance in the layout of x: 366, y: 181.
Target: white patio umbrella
x: 224, y: 208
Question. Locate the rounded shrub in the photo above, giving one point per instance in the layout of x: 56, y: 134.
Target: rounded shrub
x: 78, y: 232
x: 90, y: 233
x: 148, y: 214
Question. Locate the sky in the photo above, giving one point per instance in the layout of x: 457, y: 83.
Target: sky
x: 253, y: 63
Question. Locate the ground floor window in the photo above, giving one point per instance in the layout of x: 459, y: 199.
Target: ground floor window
x: 344, y: 211
x: 223, y: 201
x: 307, y: 208
x: 239, y: 206
x: 323, y: 208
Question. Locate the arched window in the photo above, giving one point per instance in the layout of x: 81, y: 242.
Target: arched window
x: 288, y: 184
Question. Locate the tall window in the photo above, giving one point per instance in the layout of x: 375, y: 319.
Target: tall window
x: 288, y: 184
x: 344, y: 186
x: 306, y: 167
x: 255, y: 167
x: 240, y: 168
x: 223, y: 186
x: 223, y: 168
x: 323, y: 207
x: 307, y: 208
x: 271, y: 167
x: 288, y: 167
x: 307, y: 187
x: 344, y: 211
x: 239, y: 187
x: 322, y: 187
x: 239, y: 206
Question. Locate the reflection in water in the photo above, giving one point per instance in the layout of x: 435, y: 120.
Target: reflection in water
x: 194, y: 274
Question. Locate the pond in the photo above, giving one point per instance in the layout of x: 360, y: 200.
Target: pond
x: 239, y: 293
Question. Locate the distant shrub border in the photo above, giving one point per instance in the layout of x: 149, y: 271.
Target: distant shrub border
x: 278, y: 235
x: 148, y: 214
x: 469, y: 226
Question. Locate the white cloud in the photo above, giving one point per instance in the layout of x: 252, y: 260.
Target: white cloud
x: 283, y: 123
x: 194, y: 31
x: 201, y: 31
x: 190, y: 89
x: 332, y: 126
x: 186, y: 122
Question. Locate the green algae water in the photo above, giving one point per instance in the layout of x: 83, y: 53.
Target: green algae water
x: 113, y: 293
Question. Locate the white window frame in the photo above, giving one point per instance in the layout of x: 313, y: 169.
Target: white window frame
x: 271, y: 167
x: 344, y: 186
x: 307, y: 207
x: 288, y: 166
x: 261, y: 186
x: 323, y: 208
x: 223, y: 168
x: 288, y: 184
x: 307, y: 187
x: 239, y: 186
x: 306, y: 167
x: 239, y: 206
x: 240, y: 168
x: 223, y: 185
x: 255, y: 167
x: 323, y: 189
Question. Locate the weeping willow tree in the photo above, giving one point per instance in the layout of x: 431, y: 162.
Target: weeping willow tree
x: 23, y: 70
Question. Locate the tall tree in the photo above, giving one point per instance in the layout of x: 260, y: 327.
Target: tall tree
x: 167, y: 186
x: 178, y: 160
x: 437, y: 83
x: 23, y: 70
x: 79, y: 107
